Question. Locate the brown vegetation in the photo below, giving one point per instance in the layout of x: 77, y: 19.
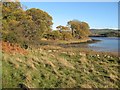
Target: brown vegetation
x: 12, y: 48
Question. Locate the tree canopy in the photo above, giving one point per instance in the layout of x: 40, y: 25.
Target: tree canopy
x: 27, y: 26
x: 79, y: 29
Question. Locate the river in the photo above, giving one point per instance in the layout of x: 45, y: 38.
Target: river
x: 107, y: 44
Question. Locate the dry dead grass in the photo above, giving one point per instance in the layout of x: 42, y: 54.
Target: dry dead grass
x: 65, y: 63
x: 12, y: 48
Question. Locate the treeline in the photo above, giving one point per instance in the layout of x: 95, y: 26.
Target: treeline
x: 105, y: 32
x: 74, y: 29
x: 111, y: 34
x: 30, y: 26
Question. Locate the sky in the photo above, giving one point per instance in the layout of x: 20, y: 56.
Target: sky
x: 96, y: 14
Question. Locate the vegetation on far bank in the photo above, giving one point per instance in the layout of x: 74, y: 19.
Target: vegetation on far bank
x: 105, y: 32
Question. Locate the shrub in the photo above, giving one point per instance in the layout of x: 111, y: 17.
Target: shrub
x: 66, y: 35
x: 53, y: 35
x: 11, y: 37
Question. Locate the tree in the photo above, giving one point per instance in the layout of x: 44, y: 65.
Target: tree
x: 60, y: 28
x: 85, y: 28
x: 8, y: 8
x: 79, y: 29
x: 39, y: 16
x: 24, y: 26
x: 66, y: 35
x: 72, y: 25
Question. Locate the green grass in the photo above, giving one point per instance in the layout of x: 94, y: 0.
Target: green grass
x: 60, y: 68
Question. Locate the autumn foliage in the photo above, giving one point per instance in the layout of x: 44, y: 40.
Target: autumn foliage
x: 27, y: 27
x: 12, y: 48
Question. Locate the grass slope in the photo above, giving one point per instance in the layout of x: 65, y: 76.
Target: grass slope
x: 52, y: 66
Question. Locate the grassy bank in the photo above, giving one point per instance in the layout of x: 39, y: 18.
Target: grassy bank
x: 56, y: 42
x: 53, y: 66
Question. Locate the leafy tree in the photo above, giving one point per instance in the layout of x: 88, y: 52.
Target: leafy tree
x: 66, y: 35
x: 8, y: 8
x: 39, y: 16
x: 72, y: 25
x: 27, y: 26
x: 79, y: 29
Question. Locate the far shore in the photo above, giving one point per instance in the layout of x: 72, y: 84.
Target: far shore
x: 72, y: 41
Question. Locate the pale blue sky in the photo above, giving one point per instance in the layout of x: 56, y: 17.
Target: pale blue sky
x: 97, y: 14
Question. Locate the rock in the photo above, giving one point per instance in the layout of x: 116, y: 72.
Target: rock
x: 105, y: 55
x: 98, y: 55
x: 64, y: 52
x: 49, y: 50
x: 44, y: 39
x: 108, y: 56
x: 82, y: 54
x: 54, y: 50
x: 111, y: 57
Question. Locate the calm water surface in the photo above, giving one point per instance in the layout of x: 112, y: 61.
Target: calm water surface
x: 106, y: 44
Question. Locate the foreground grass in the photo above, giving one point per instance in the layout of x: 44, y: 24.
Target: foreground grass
x: 52, y: 66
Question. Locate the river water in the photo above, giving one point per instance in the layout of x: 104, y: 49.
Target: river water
x: 108, y: 44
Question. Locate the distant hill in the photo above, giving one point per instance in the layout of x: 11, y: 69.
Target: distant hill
x: 105, y: 32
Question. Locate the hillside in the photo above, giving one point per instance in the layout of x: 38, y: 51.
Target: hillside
x: 105, y: 32
x: 53, y: 66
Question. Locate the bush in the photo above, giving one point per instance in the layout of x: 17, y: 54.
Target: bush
x: 11, y: 37
x: 53, y: 35
x: 66, y: 35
